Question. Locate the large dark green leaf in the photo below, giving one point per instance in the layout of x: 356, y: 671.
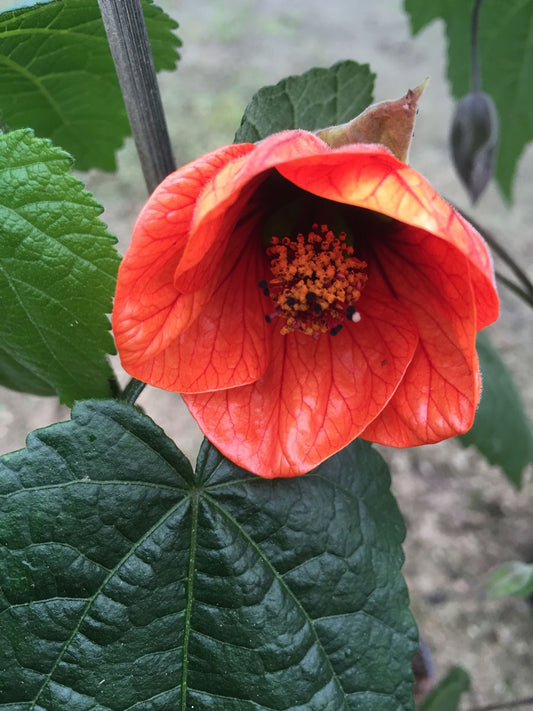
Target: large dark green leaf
x: 57, y: 275
x: 128, y: 582
x: 501, y: 429
x: 57, y: 76
x: 316, y: 99
x: 506, y: 61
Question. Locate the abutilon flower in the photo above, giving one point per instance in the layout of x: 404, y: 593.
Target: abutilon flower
x: 300, y: 296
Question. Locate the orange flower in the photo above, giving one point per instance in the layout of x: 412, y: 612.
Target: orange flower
x: 299, y: 296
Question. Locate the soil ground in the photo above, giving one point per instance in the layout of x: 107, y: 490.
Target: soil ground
x: 463, y: 517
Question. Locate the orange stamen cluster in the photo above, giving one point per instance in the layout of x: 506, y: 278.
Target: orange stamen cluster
x: 316, y: 281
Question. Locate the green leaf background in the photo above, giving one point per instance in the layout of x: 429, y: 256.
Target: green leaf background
x: 57, y: 76
x: 506, y: 63
x: 446, y: 696
x: 512, y: 578
x: 316, y: 99
x: 128, y: 582
x: 501, y: 431
x: 58, y: 266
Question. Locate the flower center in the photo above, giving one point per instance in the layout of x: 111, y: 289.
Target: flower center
x: 316, y: 281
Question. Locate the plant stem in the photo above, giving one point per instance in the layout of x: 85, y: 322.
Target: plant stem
x: 509, y: 705
x: 475, y: 66
x: 130, y: 47
x: 132, y: 391
x: 513, y: 286
x: 526, y: 291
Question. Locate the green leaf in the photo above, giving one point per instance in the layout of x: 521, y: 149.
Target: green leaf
x: 316, y: 99
x: 512, y: 578
x: 57, y: 76
x: 447, y: 694
x: 507, y: 75
x: 57, y: 275
x: 127, y: 581
x: 501, y: 431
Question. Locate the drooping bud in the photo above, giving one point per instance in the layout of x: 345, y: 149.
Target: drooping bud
x: 474, y: 140
x: 389, y: 123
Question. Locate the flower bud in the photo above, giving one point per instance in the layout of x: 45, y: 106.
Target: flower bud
x: 389, y: 123
x: 473, y: 141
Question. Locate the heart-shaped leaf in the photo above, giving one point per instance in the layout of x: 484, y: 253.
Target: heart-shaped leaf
x: 128, y: 582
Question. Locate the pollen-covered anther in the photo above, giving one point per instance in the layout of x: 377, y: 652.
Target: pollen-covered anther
x: 316, y: 281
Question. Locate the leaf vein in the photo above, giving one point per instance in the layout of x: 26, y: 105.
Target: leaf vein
x: 98, y: 591
x: 283, y: 584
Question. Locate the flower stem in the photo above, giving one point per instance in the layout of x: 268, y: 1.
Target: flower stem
x: 132, y: 391
x: 526, y: 290
x: 508, y: 705
x: 513, y: 286
x: 475, y: 65
x: 128, y: 40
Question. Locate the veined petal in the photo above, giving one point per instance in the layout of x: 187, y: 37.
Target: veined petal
x: 370, y: 176
x: 316, y: 395
x: 189, y: 314
x: 439, y: 393
x: 225, y: 199
x: 148, y: 312
x: 228, y: 344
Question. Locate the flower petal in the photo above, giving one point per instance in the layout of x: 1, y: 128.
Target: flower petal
x: 370, y: 176
x: 228, y: 344
x: 148, y: 312
x: 224, y: 200
x: 316, y: 396
x: 439, y: 393
x: 189, y: 313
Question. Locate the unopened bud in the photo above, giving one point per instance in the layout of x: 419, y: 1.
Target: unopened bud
x: 474, y: 140
x: 390, y: 123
